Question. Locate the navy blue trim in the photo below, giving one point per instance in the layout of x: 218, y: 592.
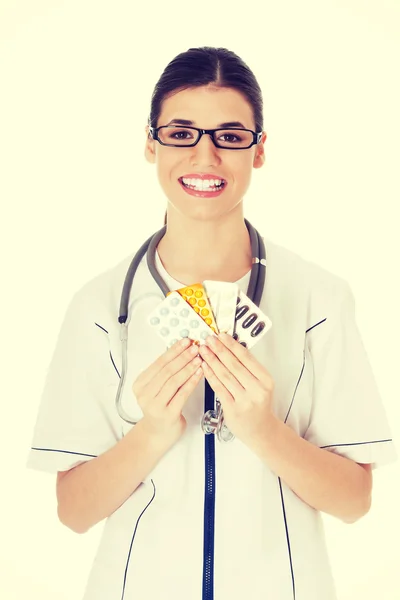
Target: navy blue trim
x: 133, y: 537
x: 65, y: 452
x: 302, y: 371
x: 112, y: 360
x: 297, y: 385
x: 312, y: 327
x: 287, y: 539
x: 357, y: 443
x: 101, y: 327
x: 209, y: 501
x: 115, y: 367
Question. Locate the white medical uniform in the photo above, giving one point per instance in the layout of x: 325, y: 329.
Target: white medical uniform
x: 268, y: 542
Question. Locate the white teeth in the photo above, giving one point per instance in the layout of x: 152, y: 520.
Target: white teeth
x: 202, y: 184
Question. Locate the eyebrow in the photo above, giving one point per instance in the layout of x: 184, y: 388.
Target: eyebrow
x: 191, y: 123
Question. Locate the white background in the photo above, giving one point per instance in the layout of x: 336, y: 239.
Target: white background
x: 77, y: 196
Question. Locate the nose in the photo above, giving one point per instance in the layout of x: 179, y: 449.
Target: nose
x: 204, y: 152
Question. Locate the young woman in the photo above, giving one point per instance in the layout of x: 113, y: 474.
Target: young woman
x: 189, y: 516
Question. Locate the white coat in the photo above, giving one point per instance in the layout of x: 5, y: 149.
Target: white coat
x: 268, y: 543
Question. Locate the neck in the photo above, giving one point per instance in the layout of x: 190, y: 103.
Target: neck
x: 218, y: 249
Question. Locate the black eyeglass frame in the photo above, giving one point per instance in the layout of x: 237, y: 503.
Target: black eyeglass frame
x: 154, y: 133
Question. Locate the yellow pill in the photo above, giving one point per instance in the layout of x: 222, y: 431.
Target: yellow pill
x: 196, y: 308
x: 192, y: 301
x: 198, y: 294
x: 208, y: 321
x: 189, y: 291
x: 201, y: 302
x: 205, y: 312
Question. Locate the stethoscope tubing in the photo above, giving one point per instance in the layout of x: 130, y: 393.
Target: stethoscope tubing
x: 255, y: 290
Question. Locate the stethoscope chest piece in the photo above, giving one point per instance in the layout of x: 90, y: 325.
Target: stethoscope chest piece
x: 213, y: 422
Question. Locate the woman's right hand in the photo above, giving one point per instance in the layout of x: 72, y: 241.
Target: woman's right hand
x: 162, y: 389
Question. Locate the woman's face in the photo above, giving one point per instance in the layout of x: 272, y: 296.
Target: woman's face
x: 207, y: 107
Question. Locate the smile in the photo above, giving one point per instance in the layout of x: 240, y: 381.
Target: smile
x: 203, y: 188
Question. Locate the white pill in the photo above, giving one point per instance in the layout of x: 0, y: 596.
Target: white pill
x: 204, y: 335
x: 174, y: 322
x: 194, y: 324
x: 164, y: 310
x: 164, y: 331
x: 184, y: 312
x: 154, y: 321
x: 174, y: 301
x: 184, y: 333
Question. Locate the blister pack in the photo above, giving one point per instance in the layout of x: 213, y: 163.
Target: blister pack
x: 196, y: 296
x: 174, y: 319
x: 251, y: 324
x: 223, y: 296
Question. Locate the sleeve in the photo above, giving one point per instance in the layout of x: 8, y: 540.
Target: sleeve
x: 347, y: 415
x: 75, y: 422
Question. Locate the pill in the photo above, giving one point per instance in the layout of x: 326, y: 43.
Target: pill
x: 254, y: 326
x: 172, y: 326
x: 257, y: 329
x: 196, y: 296
x: 249, y: 321
x: 241, y: 311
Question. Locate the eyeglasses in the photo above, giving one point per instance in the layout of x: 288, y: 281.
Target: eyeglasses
x: 230, y: 138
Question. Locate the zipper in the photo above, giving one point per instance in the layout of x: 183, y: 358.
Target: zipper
x: 209, y: 502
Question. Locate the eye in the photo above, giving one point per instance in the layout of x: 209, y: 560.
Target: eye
x: 179, y: 134
x: 229, y: 138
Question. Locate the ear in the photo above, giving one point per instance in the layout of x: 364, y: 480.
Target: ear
x: 259, y: 157
x: 149, y: 150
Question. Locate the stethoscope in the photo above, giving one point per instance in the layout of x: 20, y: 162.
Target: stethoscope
x: 213, y: 420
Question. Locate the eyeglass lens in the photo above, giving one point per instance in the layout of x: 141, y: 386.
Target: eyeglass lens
x: 186, y: 136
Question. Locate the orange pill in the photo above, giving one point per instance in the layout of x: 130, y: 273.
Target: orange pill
x: 196, y: 296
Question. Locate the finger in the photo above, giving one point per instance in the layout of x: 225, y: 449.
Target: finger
x: 218, y: 387
x: 177, y: 350
x: 172, y: 385
x: 244, y: 356
x: 224, y: 375
x: 179, y: 400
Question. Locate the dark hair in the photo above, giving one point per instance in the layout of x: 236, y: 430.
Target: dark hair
x: 202, y: 66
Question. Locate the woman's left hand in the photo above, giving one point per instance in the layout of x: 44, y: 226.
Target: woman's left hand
x: 243, y: 386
